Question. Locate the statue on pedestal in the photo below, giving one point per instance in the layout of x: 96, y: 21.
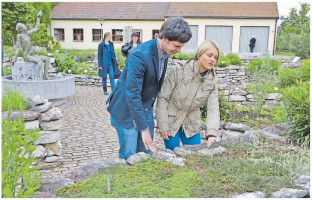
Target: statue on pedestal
x: 23, y: 41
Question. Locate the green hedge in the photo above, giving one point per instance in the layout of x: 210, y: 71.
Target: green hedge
x: 226, y: 60
x: 235, y: 60
x: 258, y: 62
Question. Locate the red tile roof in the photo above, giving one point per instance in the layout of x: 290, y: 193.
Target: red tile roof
x: 160, y: 10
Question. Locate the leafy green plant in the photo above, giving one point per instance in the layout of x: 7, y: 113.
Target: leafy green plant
x: 13, y: 100
x: 225, y: 108
x: 297, y: 103
x: 284, y: 53
x: 182, y: 56
x: 235, y: 60
x: 274, y: 64
x: 82, y: 55
x: 225, y: 60
x: 288, y: 76
x: 63, y: 61
x: 19, y: 177
x: 120, y: 59
x: 7, y: 71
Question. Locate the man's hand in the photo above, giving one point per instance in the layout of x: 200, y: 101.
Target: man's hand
x: 147, y: 140
x: 100, y: 68
x: 212, y: 140
x: 165, y: 135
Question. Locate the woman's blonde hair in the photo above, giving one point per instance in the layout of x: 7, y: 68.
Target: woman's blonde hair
x: 106, y: 34
x: 205, y: 46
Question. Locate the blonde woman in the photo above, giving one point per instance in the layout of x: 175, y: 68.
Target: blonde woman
x: 184, y: 91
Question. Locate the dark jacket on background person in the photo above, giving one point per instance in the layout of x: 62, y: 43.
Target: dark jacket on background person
x: 126, y: 48
x: 103, y: 60
x: 137, y: 87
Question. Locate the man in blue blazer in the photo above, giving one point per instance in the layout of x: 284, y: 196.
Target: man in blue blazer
x: 131, y: 101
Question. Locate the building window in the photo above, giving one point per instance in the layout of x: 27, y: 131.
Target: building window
x: 154, y: 33
x: 117, y: 35
x: 96, y: 34
x: 59, y: 34
x: 78, y: 34
x: 139, y: 31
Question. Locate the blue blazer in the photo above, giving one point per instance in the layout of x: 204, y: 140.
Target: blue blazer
x: 137, y: 87
x: 102, y: 60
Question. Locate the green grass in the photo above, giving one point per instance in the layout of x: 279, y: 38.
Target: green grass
x: 13, y: 100
x: 283, y: 53
x: 261, y: 166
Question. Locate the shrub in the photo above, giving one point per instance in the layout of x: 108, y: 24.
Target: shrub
x: 274, y: 66
x: 19, y: 177
x: 7, y: 71
x: 288, y: 77
x: 224, y: 59
x: 225, y: 108
x: 63, y: 61
x: 300, y: 45
x: 13, y: 100
x: 297, y: 103
x: 183, y: 56
x: 120, y: 59
x: 82, y: 55
x: 235, y: 60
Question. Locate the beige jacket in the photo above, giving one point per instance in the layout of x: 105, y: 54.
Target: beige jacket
x: 184, y: 91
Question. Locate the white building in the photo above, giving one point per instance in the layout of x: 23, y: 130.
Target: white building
x: 77, y: 25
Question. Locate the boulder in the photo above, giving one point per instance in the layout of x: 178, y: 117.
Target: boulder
x: 289, y: 193
x: 237, y: 127
x: 52, y: 114
x: 135, y: 158
x: 256, y: 194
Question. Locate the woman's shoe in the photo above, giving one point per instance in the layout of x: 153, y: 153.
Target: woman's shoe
x: 105, y: 90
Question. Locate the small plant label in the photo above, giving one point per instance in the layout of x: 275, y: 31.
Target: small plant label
x: 108, y: 171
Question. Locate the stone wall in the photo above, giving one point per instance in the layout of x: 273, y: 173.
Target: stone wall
x: 41, y: 114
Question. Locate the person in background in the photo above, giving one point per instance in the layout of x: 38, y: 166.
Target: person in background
x: 128, y: 47
x: 184, y: 91
x: 107, y: 61
x: 252, y: 43
x: 131, y: 102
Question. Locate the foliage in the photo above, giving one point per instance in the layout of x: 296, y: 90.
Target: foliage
x: 274, y: 64
x: 13, y: 100
x: 9, y: 51
x: 121, y: 60
x: 284, y: 53
x: 235, y: 60
x: 288, y: 76
x: 295, y: 36
x: 182, y: 56
x: 6, y: 71
x: 82, y: 55
x: 263, y: 76
x: 224, y: 59
x: 150, y: 178
x: 19, y: 177
x: 260, y: 166
x: 22, y: 12
x: 297, y: 103
x: 63, y: 61
x: 40, y: 38
x: 225, y: 108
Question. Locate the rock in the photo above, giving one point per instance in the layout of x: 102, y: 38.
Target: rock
x: 36, y: 100
x: 183, y: 151
x: 234, y: 67
x: 303, y: 181
x: 273, y: 96
x: 54, y: 148
x: 52, y: 114
x: 27, y: 115
x: 168, y: 155
x: 43, y: 195
x: 52, y: 183
x: 240, y: 93
x: 277, y: 132
x: 221, y: 125
x: 52, y: 60
x: 256, y: 194
x: 51, y: 159
x: 237, y: 98
x: 47, y: 137
x: 51, y: 125
x: 120, y: 161
x: 247, y: 137
x: 42, y: 108
x: 237, y: 127
x: 229, y: 133
x: 209, y: 152
x: 289, y: 193
x: 31, y: 125
x: 135, y: 158
x: 44, y: 165
x: 40, y: 152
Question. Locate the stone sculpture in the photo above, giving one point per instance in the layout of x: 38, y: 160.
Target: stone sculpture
x: 23, y: 41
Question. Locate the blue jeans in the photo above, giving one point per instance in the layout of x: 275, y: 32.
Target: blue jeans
x: 175, y: 141
x: 111, y: 77
x: 130, y: 140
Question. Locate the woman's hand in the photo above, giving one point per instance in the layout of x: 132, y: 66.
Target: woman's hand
x: 212, y: 140
x: 165, y: 135
x: 100, y: 68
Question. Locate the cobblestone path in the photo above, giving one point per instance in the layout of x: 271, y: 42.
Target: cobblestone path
x: 87, y: 133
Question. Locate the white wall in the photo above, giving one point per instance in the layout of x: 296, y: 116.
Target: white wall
x: 148, y: 26
x: 88, y: 25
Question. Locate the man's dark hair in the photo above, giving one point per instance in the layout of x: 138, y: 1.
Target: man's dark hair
x: 176, y: 29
